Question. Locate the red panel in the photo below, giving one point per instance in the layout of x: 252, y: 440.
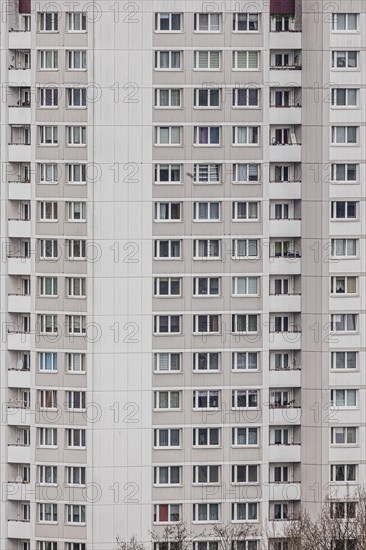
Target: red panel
x: 24, y: 6
x: 286, y: 7
x: 163, y: 512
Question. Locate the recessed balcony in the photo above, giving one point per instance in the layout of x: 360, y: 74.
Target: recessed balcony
x: 19, y: 39
x: 19, y: 152
x: 19, y: 340
x: 19, y: 228
x: 279, y: 378
x: 290, y: 490
x: 18, y: 491
x: 285, y: 302
x: 285, y: 416
x: 19, y: 114
x: 19, y: 378
x: 18, y: 303
x: 19, y: 77
x: 284, y: 453
x: 19, y: 529
x: 19, y: 265
x: 19, y: 191
x: 19, y: 453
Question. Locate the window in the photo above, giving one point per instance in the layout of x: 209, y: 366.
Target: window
x: 168, y: 60
x: 47, y: 512
x: 245, y: 248
x: 344, y: 97
x: 207, y: 97
x: 244, y: 473
x: 206, y: 248
x: 75, y: 475
x: 245, y: 135
x: 244, y: 360
x: 48, y: 173
x: 76, y: 97
x: 343, y: 472
x: 244, y: 22
x: 344, y: 247
x: 343, y: 285
x: 75, y: 546
x: 76, y: 249
x: 344, y: 210
x: 207, y: 135
x: 343, y: 398
x: 344, y: 21
x: 76, y: 287
x: 48, y: 211
x: 48, y: 22
x: 48, y: 286
x: 207, y: 59
x: 344, y: 322
x: 168, y: 135
x: 206, y: 512
x: 245, y: 97
x: 166, y: 437
x: 245, y: 210
x: 345, y: 135
x: 207, y: 173
x: 168, y: 173
x: 47, y: 437
x: 48, y: 60
x: 75, y: 400
x: 206, y: 437
x: 244, y: 511
x: 76, y: 135
x: 48, y: 135
x: 43, y: 545
x: 47, y: 361
x: 75, y: 513
x: 48, y: 324
x: 167, y: 362
x: 47, y: 474
x: 344, y: 173
x: 167, y: 286
x: 246, y: 545
x: 343, y: 510
x: 48, y: 97
x: 245, y: 286
x: 168, y: 22
x: 244, y: 436
x: 76, y: 362
x: 207, y: 22
x: 76, y: 211
x: 48, y: 249
x: 344, y: 436
x: 75, y: 438
x: 165, y: 97
x: 206, y: 324
x: 206, y: 399
x: 206, y: 361
x: 167, y: 475
x: 167, y: 513
x: 244, y: 399
x: 206, y: 474
x: 77, y: 22
x: 76, y: 60
x: 245, y: 60
x: 343, y: 360
x: 245, y: 173
x: 167, y: 324
x: 206, y: 211
x: 206, y: 545
x: 206, y: 286
x: 167, y: 249
x: 48, y: 399
x: 166, y: 400
x: 75, y: 325
x: 344, y: 59
x: 76, y: 173
x: 168, y: 211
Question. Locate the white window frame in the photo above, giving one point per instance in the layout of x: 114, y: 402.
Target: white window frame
x: 75, y: 400
x: 177, y: 511
x: 212, y: 323
x: 210, y: 136
x: 248, y: 18
x: 170, y: 22
x: 77, y: 22
x: 241, y: 64
x: 73, y: 436
x: 70, y: 478
x: 345, y: 242
x: 48, y: 135
x: 76, y: 173
x: 347, y: 104
x: 48, y: 211
x: 210, y: 246
x: 47, y: 399
x: 76, y: 136
x: 165, y: 362
x: 240, y: 360
x: 208, y: 92
x: 196, y: 437
x: 210, y: 396
x: 76, y: 211
x: 249, y: 243
x: 246, y: 469
x: 157, y: 325
x: 75, y: 366
x: 348, y: 168
x: 48, y: 283
x: 236, y: 395
x: 248, y: 207
x: 170, y: 142
x: 212, y: 26
x: 209, y: 468
x: 48, y: 19
x: 243, y: 169
x: 44, y: 245
x: 169, y: 67
x: 347, y: 131
x: 168, y: 281
x: 76, y: 98
x: 344, y: 355
x: 46, y: 509
x: 76, y: 60
x: 245, y: 284
x: 47, y: 474
x: 169, y: 438
x: 346, y: 430
x: 76, y: 325
x: 76, y: 249
x: 74, y: 511
x: 43, y: 357
x: 247, y: 505
x: 348, y: 401
x: 157, y: 249
x: 169, y: 482
x: 210, y: 364
x: 207, y: 289
x: 209, y: 507
x: 207, y: 174
x: 347, y: 57
x: 248, y: 430
x: 48, y: 60
x: 346, y: 15
x: 48, y: 324
x: 169, y: 91
x: 169, y: 168
x: 48, y: 97
x: 248, y: 100
x: 48, y: 173
x: 252, y: 136
x: 173, y: 397
x: 211, y: 206
x: 213, y: 58
x: 168, y: 207
x: 47, y: 434
x: 335, y: 290
x: 346, y: 468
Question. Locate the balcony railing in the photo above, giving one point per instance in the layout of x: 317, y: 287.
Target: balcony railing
x: 294, y: 67
x: 290, y: 218
x: 289, y: 254
x: 282, y: 369
x: 290, y: 104
x: 289, y: 180
x: 291, y: 328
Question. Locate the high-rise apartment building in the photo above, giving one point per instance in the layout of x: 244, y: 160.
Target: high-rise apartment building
x: 182, y: 227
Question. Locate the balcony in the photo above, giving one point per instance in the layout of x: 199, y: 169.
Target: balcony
x: 284, y: 40
x: 19, y: 265
x: 286, y: 114
x: 19, y: 228
x: 19, y: 454
x: 19, y: 341
x: 19, y: 191
x: 285, y: 190
x: 284, y: 302
x: 279, y: 378
x: 19, y: 77
x: 19, y: 114
x: 18, y: 491
x: 280, y: 416
x: 289, y: 227
x: 285, y: 265
x: 19, y: 39
x: 16, y: 415
x: 285, y: 152
x: 19, y: 529
x: 286, y: 339
x: 290, y: 490
x: 19, y: 152
x: 19, y: 303
x: 19, y: 378
x: 284, y: 453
